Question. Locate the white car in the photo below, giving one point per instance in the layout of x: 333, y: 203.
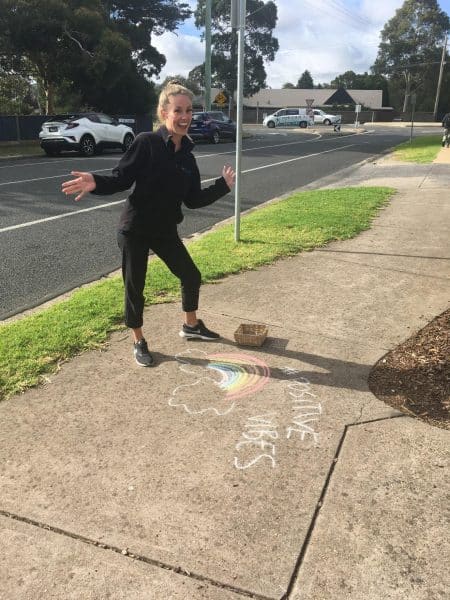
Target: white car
x: 88, y: 133
x: 288, y: 117
x: 322, y: 117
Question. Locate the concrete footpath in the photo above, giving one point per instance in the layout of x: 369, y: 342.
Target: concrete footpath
x: 228, y: 472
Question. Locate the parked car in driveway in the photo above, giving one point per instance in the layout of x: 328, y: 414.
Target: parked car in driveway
x: 212, y: 126
x: 88, y: 133
x: 322, y: 117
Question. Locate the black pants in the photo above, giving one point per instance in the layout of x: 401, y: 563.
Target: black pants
x: 171, y: 250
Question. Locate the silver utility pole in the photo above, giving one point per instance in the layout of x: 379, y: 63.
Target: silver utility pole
x: 413, y: 107
x: 239, y: 111
x: 208, y: 55
x: 438, y: 91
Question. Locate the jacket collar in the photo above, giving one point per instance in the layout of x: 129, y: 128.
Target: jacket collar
x: 186, y: 142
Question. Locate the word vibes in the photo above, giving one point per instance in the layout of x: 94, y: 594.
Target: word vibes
x: 262, y: 433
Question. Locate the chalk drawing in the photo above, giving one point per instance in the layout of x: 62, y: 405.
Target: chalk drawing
x: 294, y: 419
x: 306, y: 410
x: 241, y: 374
x: 257, y: 428
x: 220, y: 379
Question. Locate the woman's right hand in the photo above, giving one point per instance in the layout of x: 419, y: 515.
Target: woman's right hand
x: 83, y: 184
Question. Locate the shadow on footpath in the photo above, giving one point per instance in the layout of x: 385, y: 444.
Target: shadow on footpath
x: 335, y: 373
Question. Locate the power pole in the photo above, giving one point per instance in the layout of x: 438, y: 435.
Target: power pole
x: 441, y: 70
x: 239, y: 114
x: 208, y: 55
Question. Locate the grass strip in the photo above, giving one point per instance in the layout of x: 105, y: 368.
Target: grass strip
x: 421, y: 150
x: 12, y: 149
x: 35, y: 345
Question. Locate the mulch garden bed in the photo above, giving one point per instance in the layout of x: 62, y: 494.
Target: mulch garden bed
x: 414, y: 377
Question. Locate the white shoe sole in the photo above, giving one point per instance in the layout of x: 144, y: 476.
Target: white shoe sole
x: 197, y: 336
x: 141, y: 365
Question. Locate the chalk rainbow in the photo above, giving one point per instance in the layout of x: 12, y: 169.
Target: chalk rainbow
x: 241, y: 374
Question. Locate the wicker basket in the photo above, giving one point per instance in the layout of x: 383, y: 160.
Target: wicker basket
x: 251, y: 334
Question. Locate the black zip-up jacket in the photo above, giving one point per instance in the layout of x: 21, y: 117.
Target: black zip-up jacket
x: 164, y: 180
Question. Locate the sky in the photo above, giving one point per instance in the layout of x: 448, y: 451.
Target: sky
x: 325, y: 37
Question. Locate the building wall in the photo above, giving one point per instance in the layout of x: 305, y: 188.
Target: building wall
x: 271, y: 99
x: 268, y: 98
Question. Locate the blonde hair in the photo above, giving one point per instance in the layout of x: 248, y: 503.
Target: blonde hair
x: 172, y: 88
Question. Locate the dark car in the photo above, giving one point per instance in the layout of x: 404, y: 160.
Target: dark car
x: 212, y: 126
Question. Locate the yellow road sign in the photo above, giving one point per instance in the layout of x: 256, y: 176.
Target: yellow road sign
x: 220, y: 98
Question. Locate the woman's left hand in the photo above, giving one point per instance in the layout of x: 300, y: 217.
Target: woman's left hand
x: 229, y: 175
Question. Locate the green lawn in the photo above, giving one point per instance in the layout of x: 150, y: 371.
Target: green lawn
x: 33, y: 346
x: 20, y: 148
x: 422, y: 149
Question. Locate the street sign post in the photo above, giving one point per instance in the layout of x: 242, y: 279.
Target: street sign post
x: 357, y: 111
x: 413, y: 107
x: 208, y: 55
x: 239, y: 109
x: 309, y: 109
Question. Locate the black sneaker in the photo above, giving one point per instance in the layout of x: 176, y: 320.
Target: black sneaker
x: 142, y: 355
x: 200, y: 332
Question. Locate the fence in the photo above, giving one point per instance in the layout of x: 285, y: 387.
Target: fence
x: 256, y: 115
x: 26, y: 127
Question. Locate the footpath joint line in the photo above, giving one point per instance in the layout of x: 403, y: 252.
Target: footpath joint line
x: 321, y: 500
x: 134, y: 556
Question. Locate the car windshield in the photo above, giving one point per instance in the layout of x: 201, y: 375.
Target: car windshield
x: 197, y: 117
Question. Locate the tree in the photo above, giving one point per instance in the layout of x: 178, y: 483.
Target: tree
x: 111, y: 80
x: 410, y: 47
x: 50, y: 35
x: 139, y: 20
x: 260, y: 45
x: 346, y: 80
x: 102, y: 47
x: 353, y: 81
x: 288, y: 86
x: 16, y: 94
x: 189, y: 82
x: 306, y: 81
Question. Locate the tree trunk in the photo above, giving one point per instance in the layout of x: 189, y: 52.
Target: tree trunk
x: 49, y: 94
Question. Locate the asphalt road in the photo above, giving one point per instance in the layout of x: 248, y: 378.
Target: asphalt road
x: 50, y: 244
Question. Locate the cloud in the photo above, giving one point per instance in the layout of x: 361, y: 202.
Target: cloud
x: 326, y: 37
x: 183, y: 52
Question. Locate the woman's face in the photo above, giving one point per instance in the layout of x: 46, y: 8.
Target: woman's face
x: 177, y: 114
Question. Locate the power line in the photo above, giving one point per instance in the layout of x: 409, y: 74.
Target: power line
x: 347, y: 17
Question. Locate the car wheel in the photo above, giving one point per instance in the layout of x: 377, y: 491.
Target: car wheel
x: 327, y: 122
x: 271, y: 124
x: 303, y: 124
x: 215, y: 138
x: 128, y: 140
x: 52, y: 152
x: 87, y: 146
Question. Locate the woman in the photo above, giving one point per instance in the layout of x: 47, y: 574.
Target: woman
x: 165, y: 174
